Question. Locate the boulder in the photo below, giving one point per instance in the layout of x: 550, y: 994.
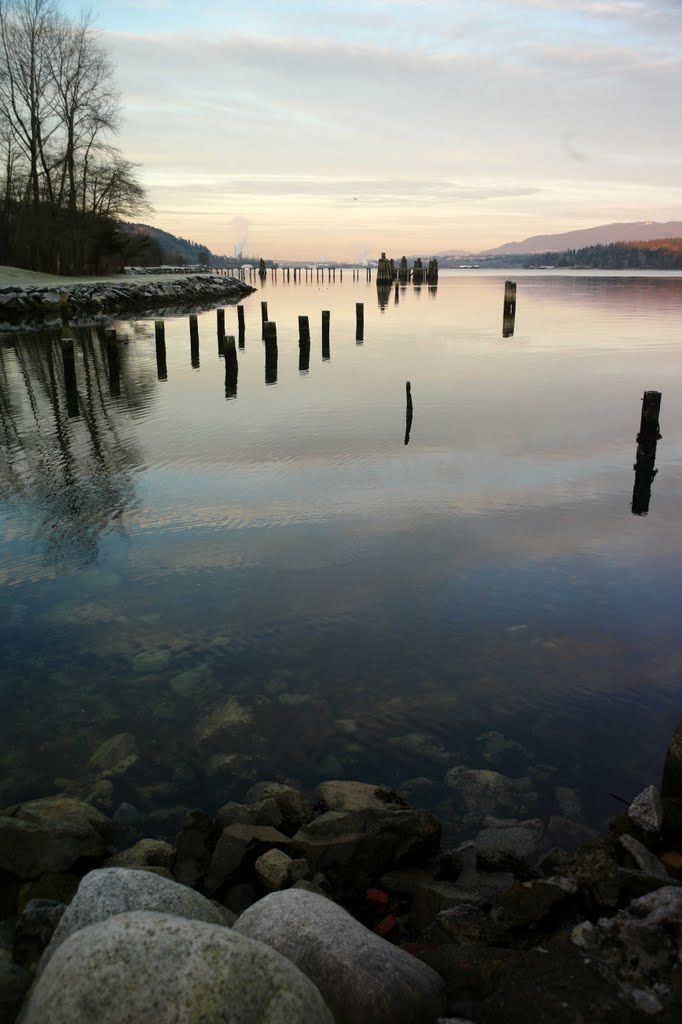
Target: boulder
x: 646, y: 810
x: 145, y: 854
x: 643, y: 858
x: 273, y: 870
x: 51, y: 835
x: 671, y: 785
x: 294, y: 809
x: 194, y: 847
x: 15, y: 982
x: 110, y: 891
x: 432, y: 897
x: 356, y: 796
x: 34, y: 929
x: 362, y: 978
x: 358, y: 846
x: 521, y: 839
x: 480, y: 792
x: 117, y: 754
x: 152, y: 968
x: 640, y: 948
x: 237, y: 850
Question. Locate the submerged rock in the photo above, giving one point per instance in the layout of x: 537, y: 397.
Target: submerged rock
x: 479, y: 792
x: 361, y: 977
x: 154, y: 968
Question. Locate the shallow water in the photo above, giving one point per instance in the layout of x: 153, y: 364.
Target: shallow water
x: 257, y: 577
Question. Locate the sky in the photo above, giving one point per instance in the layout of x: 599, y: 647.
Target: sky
x: 337, y: 130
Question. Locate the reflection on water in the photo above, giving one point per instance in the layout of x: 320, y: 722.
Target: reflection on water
x: 280, y: 585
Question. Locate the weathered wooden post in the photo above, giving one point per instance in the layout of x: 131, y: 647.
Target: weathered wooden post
x: 220, y: 321
x: 194, y: 342
x: 325, y: 335
x: 240, y: 324
x: 303, y: 350
x: 418, y: 272
x: 263, y: 315
x: 403, y: 272
x: 262, y: 272
x: 270, y: 339
x: 408, y: 411
x: 383, y: 270
x: 396, y: 298
x: 70, y: 379
x: 160, y: 338
x: 647, y: 438
x: 303, y: 328
x: 509, y: 309
x: 359, y: 321
x: 231, y: 367
x: 432, y: 272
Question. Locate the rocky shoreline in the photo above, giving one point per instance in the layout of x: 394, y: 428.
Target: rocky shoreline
x: 49, y: 305
x: 343, y: 909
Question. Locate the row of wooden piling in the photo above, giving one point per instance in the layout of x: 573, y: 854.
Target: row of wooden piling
x: 296, y: 273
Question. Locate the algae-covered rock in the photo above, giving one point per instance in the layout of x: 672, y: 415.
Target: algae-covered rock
x: 51, y: 835
x: 229, y: 715
x: 155, y: 968
x: 146, y: 853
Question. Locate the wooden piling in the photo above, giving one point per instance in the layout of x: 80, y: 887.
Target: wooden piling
x: 220, y: 321
x: 240, y: 324
x: 194, y: 341
x: 231, y: 366
x: 303, y: 328
x: 359, y: 321
x: 270, y: 339
x: 645, y: 461
x: 160, y: 338
x: 326, y: 355
x: 408, y: 411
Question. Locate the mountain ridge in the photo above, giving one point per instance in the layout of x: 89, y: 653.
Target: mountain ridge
x: 602, y: 234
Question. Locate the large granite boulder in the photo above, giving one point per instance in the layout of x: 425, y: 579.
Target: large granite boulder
x: 363, y: 979
x: 151, y: 968
x: 110, y: 891
x: 51, y: 835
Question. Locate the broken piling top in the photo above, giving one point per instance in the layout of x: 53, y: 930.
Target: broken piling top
x: 649, y: 429
x: 384, y: 272
x: 432, y: 272
x: 418, y: 272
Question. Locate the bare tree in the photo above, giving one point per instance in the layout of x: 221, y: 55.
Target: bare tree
x: 59, y: 113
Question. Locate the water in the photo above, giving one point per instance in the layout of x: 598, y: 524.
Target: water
x: 263, y: 580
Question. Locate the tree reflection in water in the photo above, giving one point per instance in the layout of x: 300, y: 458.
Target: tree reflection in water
x: 67, y: 460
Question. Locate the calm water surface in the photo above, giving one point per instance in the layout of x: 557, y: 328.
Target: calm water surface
x: 255, y: 575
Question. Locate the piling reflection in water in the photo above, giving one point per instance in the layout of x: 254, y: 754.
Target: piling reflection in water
x: 384, y: 293
x: 70, y: 380
x: 647, y: 438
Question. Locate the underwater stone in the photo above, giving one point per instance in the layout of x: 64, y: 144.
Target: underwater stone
x: 646, y: 810
x: 51, y: 835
